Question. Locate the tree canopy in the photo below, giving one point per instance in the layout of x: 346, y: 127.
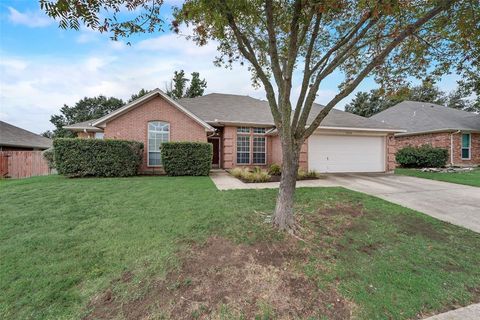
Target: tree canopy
x: 367, y: 104
x: 178, y: 87
x: 139, y: 94
x: 83, y: 110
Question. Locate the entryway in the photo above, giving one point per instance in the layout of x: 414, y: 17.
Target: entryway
x: 215, y: 141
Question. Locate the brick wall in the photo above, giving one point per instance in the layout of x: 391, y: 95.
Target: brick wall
x: 474, y: 150
x: 391, y: 150
x: 275, y: 154
x: 133, y: 125
x: 443, y: 140
x: 274, y: 150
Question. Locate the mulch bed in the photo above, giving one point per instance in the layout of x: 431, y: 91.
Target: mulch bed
x: 275, y: 179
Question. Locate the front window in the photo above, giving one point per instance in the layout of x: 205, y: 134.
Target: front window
x: 251, y: 146
x: 99, y: 135
x: 243, y: 149
x: 158, y: 133
x: 243, y: 130
x: 259, y: 154
x: 466, y: 141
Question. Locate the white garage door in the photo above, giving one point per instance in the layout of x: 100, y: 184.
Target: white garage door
x: 346, y: 153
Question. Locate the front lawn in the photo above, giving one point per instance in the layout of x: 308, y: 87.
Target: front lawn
x: 471, y: 178
x: 163, y: 247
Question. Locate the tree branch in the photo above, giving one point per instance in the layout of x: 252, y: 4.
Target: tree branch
x: 339, y: 58
x: 249, y: 53
x: 306, y: 72
x: 409, y: 30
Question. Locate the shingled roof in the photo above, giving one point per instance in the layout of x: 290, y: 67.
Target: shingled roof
x: 12, y: 136
x: 216, y: 108
x: 423, y: 117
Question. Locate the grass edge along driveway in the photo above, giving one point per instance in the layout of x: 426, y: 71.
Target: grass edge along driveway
x: 469, y: 178
x: 65, y: 243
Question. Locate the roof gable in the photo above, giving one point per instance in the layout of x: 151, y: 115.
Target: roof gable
x: 152, y: 94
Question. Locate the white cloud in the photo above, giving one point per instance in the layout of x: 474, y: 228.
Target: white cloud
x: 34, y: 88
x: 32, y: 19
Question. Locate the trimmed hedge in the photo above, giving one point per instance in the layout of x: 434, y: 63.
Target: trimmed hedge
x: 421, y: 157
x: 187, y: 158
x: 97, y: 158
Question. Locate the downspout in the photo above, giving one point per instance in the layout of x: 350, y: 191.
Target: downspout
x: 85, y: 131
x: 451, y: 146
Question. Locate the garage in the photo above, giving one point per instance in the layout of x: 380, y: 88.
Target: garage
x: 342, y: 153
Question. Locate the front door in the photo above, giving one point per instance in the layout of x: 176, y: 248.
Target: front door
x: 216, y: 151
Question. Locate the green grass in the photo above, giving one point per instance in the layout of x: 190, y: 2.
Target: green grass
x: 63, y: 241
x: 470, y: 178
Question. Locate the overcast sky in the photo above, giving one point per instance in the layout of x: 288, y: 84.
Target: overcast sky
x: 43, y: 67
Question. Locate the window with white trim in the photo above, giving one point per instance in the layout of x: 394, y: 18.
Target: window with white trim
x: 466, y: 146
x: 158, y: 133
x: 243, y: 130
x: 259, y: 150
x: 243, y: 149
x: 99, y: 135
x: 251, y: 145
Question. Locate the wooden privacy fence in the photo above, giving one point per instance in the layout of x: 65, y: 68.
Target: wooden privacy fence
x: 22, y: 164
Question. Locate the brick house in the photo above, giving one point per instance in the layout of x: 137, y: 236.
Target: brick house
x: 439, y: 126
x: 242, y: 132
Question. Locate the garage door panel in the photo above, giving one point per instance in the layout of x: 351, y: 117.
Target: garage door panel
x: 346, y: 153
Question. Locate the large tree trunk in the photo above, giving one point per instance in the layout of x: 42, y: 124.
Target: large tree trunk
x: 283, y: 217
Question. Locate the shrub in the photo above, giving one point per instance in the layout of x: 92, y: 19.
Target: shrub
x: 97, y: 158
x: 238, y: 172
x: 420, y: 157
x: 275, y: 170
x: 251, y: 175
x: 49, y: 156
x: 187, y: 158
x: 257, y: 176
x: 304, y: 174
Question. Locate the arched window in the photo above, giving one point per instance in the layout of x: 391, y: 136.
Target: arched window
x: 158, y: 133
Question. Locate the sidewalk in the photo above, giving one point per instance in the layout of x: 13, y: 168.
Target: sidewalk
x: 471, y: 312
x: 224, y: 181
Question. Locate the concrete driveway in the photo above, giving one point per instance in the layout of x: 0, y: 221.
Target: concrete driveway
x: 454, y: 203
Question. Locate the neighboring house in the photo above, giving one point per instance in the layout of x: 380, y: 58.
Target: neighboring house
x: 17, y: 139
x: 21, y: 152
x: 436, y: 125
x: 242, y: 132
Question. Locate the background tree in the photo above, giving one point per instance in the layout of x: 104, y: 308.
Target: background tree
x: 137, y: 95
x: 48, y: 134
x: 387, y: 40
x: 197, y: 86
x: 367, y: 104
x: 83, y: 110
x: 178, y: 86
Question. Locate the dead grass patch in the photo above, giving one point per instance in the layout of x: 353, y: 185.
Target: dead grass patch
x: 221, y: 277
x: 413, y: 226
